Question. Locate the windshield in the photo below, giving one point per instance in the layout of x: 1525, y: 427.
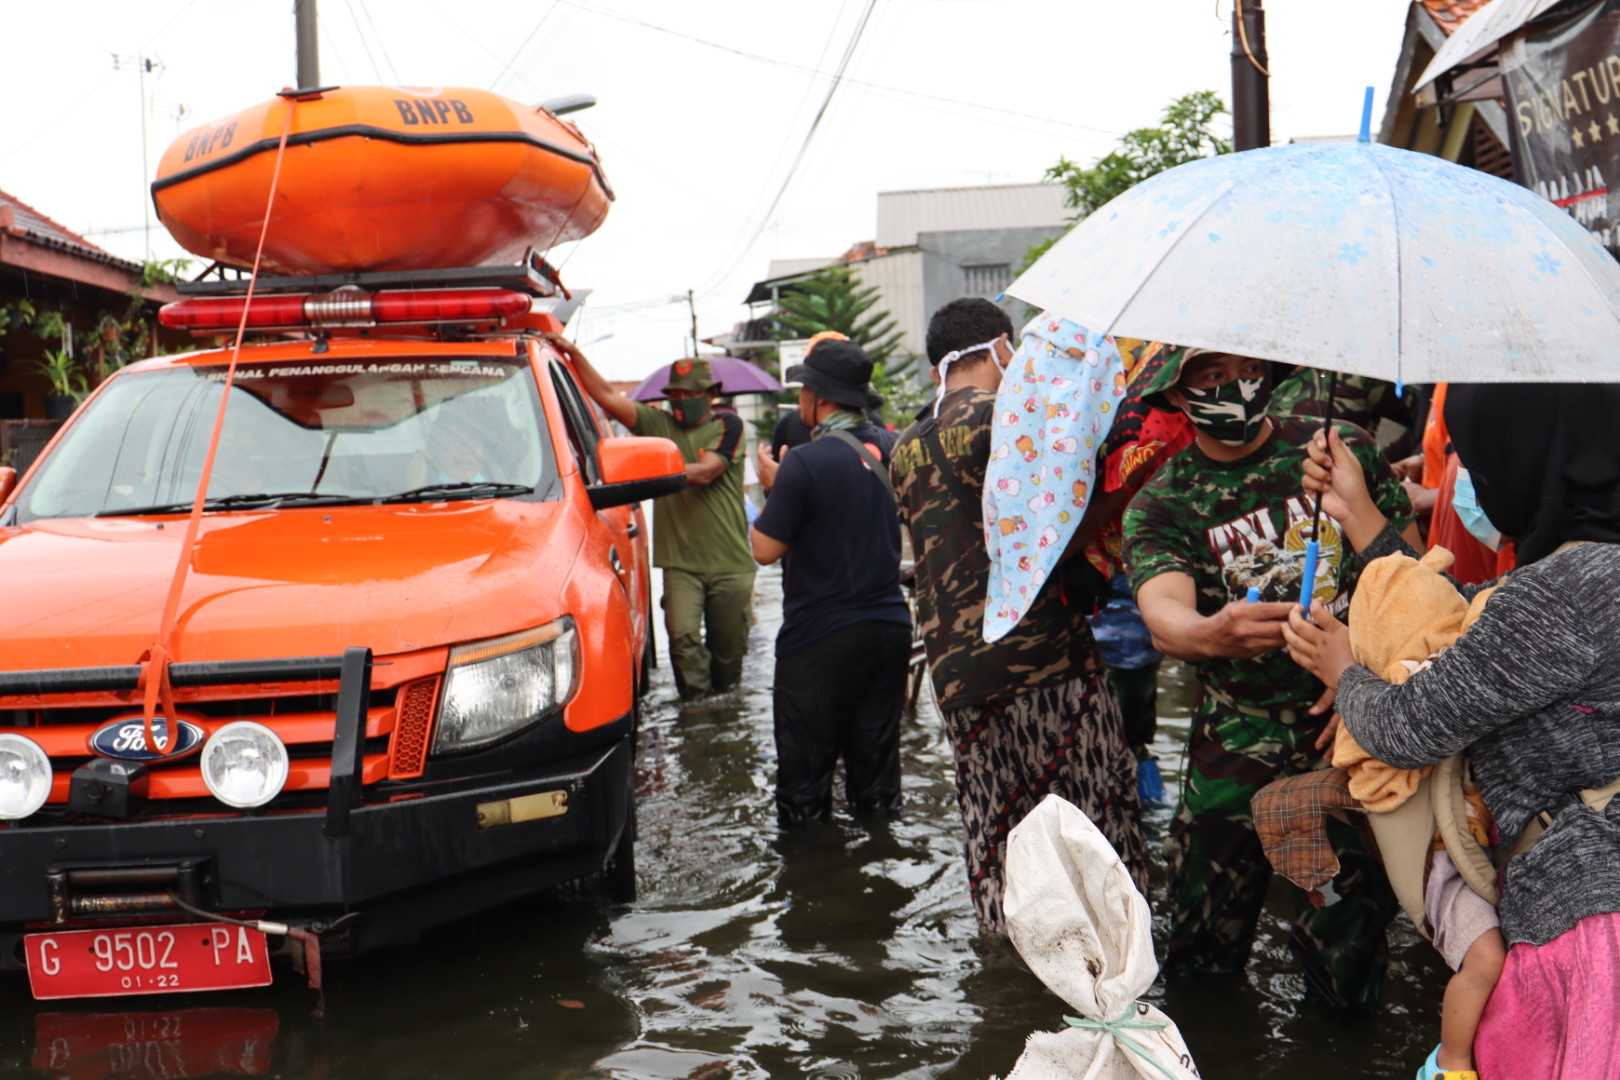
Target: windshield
x: 301, y: 433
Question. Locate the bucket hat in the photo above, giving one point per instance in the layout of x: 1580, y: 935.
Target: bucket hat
x: 836, y: 370
x: 691, y: 374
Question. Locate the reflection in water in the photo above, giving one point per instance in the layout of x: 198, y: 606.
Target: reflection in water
x: 849, y: 950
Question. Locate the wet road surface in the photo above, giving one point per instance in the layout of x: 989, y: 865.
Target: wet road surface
x: 847, y: 952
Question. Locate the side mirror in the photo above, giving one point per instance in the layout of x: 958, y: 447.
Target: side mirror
x: 636, y: 468
x: 8, y: 481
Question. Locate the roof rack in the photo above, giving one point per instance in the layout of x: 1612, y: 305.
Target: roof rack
x: 533, y: 275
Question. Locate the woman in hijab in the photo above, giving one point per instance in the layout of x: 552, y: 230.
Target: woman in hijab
x: 1532, y: 691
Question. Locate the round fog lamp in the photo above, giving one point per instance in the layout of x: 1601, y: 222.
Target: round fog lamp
x: 244, y: 764
x: 25, y: 777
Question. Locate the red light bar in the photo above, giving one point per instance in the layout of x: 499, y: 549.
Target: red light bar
x: 345, y: 307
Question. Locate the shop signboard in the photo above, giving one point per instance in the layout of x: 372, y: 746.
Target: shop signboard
x: 1563, y: 97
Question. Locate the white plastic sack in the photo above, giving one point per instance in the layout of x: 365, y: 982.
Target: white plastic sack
x: 1083, y: 928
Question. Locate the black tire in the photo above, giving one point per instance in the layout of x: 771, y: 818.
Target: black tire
x: 649, y: 656
x: 618, y: 880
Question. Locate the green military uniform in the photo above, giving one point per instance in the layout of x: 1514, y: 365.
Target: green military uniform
x: 1357, y: 400
x: 700, y: 541
x: 1230, y: 526
x: 1029, y: 714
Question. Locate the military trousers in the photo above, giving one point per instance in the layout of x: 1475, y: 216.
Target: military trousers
x: 706, y: 621
x: 1219, y: 874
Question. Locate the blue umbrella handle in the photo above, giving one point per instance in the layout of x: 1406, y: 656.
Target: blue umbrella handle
x: 1307, y: 584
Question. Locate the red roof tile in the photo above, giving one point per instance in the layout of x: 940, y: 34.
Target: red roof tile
x: 21, y: 219
x: 1451, y: 14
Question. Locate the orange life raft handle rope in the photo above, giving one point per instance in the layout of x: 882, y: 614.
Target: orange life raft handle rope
x: 154, y: 681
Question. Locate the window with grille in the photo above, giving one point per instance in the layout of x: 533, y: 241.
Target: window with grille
x: 989, y: 281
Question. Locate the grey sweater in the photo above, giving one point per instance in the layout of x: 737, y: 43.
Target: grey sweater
x: 1533, y: 690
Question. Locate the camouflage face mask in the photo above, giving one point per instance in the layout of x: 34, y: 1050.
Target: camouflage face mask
x: 1230, y: 413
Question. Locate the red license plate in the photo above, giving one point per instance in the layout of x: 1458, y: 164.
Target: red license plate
x: 146, y: 960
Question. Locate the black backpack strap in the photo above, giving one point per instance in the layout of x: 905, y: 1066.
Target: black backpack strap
x: 873, y: 462
x: 928, y: 431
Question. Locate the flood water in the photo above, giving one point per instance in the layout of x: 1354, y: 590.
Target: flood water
x: 850, y: 952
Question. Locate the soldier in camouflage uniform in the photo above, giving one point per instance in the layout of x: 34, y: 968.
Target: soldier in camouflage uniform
x: 1032, y: 713
x: 1226, y: 515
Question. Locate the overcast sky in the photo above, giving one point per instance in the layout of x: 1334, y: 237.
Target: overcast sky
x: 704, y: 107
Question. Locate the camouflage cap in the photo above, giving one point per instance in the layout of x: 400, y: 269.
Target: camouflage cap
x: 691, y: 374
x: 1163, y: 379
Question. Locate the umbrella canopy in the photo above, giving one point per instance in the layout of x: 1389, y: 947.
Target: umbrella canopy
x: 736, y: 377
x: 1352, y: 257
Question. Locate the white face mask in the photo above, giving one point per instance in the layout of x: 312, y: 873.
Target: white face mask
x: 946, y: 361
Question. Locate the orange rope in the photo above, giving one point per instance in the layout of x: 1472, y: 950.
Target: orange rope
x: 154, y: 681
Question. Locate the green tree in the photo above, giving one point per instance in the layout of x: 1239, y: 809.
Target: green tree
x: 1185, y: 134
x: 833, y: 299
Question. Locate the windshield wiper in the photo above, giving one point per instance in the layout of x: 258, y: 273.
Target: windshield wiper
x: 252, y: 501
x: 466, y: 489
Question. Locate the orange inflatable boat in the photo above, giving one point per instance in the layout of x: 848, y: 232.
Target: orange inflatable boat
x: 382, y: 178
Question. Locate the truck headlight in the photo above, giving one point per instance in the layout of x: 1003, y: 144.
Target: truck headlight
x: 25, y: 777
x: 497, y: 687
x: 244, y: 764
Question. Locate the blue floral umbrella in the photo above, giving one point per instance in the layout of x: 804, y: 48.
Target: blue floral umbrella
x: 1352, y: 257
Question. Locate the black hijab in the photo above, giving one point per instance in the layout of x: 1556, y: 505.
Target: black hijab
x: 1544, y: 457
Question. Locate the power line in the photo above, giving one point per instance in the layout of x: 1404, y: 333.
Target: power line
x: 55, y: 124
x: 506, y: 68
x: 381, y: 46
x: 791, y: 66
x: 804, y: 146
x: 364, y: 44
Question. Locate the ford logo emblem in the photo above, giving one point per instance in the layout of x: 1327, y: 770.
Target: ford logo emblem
x: 126, y: 739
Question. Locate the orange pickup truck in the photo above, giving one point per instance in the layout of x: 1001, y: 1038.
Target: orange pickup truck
x: 406, y: 661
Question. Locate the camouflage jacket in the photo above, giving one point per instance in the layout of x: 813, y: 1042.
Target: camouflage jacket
x: 1051, y: 644
x: 1357, y: 399
x: 1239, y: 523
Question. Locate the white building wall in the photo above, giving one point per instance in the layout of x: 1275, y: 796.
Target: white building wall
x: 898, y: 277
x: 903, y: 215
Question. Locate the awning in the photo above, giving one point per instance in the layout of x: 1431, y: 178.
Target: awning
x: 1474, y: 45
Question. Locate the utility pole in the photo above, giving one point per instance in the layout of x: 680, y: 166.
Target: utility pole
x: 309, y: 57
x: 691, y: 306
x: 1251, y: 81
x: 142, y: 64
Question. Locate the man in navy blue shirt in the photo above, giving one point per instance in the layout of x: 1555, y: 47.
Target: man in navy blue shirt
x: 845, y: 642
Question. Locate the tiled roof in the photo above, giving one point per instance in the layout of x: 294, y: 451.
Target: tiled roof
x: 18, y: 218
x: 1451, y: 14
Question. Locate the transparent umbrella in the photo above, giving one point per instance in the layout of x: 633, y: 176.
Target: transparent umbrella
x: 1352, y: 257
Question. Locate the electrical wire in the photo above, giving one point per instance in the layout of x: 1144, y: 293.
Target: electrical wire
x: 791, y: 66
x: 506, y: 68
x: 804, y: 147
x: 1243, y: 36
x: 381, y: 47
x: 361, y: 34
x: 55, y: 125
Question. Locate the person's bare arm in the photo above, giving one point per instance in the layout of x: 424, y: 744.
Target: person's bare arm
x: 766, y: 550
x: 615, y: 404
x: 1169, y: 606
x: 708, y: 468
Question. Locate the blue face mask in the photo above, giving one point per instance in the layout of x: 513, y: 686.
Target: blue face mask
x: 1466, y: 503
